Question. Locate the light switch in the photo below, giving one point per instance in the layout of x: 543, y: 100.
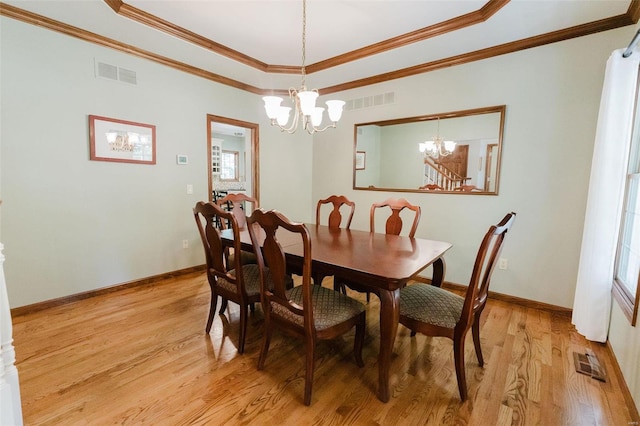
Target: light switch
x: 189, y: 189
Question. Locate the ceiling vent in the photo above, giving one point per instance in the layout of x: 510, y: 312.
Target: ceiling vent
x: 115, y: 73
x: 370, y: 101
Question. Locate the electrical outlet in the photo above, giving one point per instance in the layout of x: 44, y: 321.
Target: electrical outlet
x: 185, y: 244
x: 503, y: 263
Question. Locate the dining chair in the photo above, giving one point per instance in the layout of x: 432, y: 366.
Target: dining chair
x: 335, y: 217
x: 393, y: 226
x: 215, y: 196
x: 308, y: 311
x: 231, y: 281
x: 236, y: 204
x: 433, y: 311
x: 466, y: 188
x: 334, y: 221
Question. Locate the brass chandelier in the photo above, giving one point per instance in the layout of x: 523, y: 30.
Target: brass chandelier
x: 306, y: 113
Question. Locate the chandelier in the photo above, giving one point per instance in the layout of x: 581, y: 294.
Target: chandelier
x: 304, y: 101
x: 437, y: 147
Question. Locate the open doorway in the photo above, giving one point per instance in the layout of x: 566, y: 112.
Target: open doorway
x: 232, y: 147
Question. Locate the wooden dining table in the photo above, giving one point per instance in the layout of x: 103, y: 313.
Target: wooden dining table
x: 381, y: 263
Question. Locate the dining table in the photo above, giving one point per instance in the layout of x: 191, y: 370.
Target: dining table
x: 381, y: 263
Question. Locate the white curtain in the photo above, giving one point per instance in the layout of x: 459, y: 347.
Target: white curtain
x: 592, y: 302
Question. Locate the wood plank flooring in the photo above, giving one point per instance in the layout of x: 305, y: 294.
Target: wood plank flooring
x: 140, y: 356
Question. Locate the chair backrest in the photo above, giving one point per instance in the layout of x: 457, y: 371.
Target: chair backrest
x: 466, y: 188
x: 393, y: 224
x: 273, y: 255
x: 335, y: 217
x: 486, y: 259
x: 205, y: 215
x: 431, y: 187
x: 235, y: 202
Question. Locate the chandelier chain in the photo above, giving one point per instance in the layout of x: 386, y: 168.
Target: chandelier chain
x: 304, y: 42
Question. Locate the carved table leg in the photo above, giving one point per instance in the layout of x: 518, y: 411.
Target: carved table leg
x: 439, y: 269
x: 389, y: 318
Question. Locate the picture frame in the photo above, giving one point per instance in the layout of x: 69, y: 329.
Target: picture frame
x: 182, y: 159
x: 121, y: 141
x: 361, y: 158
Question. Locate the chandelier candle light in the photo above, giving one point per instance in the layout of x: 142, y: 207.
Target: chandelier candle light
x: 438, y: 147
x: 303, y: 100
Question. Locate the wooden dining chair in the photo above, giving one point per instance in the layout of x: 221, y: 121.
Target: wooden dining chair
x: 236, y: 204
x: 466, y: 188
x: 433, y: 311
x: 393, y: 226
x: 431, y: 187
x: 335, y: 217
x: 334, y: 221
x: 231, y: 281
x: 308, y: 311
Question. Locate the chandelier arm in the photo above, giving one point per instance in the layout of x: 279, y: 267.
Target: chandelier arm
x: 328, y: 126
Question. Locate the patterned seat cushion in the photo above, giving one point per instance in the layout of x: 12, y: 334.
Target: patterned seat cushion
x: 251, y: 275
x: 431, y: 305
x: 329, y: 307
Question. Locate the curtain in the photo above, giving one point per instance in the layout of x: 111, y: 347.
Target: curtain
x: 592, y: 302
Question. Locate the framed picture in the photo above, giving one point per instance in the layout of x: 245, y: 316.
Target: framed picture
x: 182, y: 159
x: 121, y: 141
x: 361, y: 158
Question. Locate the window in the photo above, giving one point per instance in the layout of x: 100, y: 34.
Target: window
x: 229, y: 163
x: 627, y: 266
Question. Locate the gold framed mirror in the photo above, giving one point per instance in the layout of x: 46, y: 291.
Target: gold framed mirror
x: 415, y: 154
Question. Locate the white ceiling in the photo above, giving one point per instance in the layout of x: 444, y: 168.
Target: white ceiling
x: 270, y: 31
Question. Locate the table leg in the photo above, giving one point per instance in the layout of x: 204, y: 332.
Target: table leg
x: 439, y: 269
x: 389, y: 318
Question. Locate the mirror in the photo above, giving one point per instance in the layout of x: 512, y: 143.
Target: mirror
x: 387, y: 156
x: 232, y: 147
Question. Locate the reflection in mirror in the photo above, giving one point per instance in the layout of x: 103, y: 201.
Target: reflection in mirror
x: 233, y: 151
x: 398, y: 159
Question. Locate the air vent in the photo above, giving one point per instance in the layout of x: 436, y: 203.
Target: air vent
x: 127, y: 76
x: 115, y: 73
x: 370, y: 101
x: 107, y: 71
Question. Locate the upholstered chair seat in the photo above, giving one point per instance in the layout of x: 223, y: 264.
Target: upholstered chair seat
x: 329, y: 307
x: 431, y: 305
x: 251, y: 273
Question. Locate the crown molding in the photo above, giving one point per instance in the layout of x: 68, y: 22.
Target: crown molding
x: 629, y: 18
x: 454, y: 24
x: 472, y: 18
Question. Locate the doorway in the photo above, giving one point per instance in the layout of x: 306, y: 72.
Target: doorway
x: 233, y: 154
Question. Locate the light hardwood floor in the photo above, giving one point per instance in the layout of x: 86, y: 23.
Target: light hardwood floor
x: 140, y: 356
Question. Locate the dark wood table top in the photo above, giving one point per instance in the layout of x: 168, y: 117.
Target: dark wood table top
x: 387, y: 261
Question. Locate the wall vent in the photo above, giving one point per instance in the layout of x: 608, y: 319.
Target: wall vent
x: 127, y: 76
x: 370, y: 101
x: 107, y: 71
x: 115, y: 73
